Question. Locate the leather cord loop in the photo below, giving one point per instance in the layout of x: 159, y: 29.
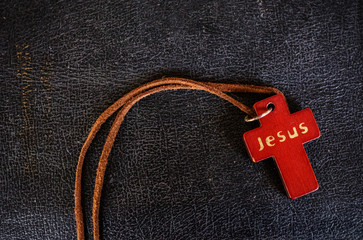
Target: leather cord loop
x: 125, y: 103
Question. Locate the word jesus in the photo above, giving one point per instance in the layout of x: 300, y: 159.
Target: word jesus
x: 270, y: 140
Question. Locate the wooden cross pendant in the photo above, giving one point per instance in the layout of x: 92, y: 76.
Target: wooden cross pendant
x: 281, y: 136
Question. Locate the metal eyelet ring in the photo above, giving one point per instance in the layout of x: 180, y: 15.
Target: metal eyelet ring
x: 248, y: 119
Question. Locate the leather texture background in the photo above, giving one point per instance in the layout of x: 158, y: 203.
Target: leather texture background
x: 179, y: 168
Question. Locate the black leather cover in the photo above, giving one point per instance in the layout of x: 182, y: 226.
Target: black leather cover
x: 179, y: 168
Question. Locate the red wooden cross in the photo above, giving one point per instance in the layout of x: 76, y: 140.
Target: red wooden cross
x: 281, y: 136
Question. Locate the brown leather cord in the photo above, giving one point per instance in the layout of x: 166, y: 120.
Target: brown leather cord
x: 126, y: 102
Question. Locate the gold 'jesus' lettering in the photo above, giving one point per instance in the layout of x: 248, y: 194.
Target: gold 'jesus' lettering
x: 271, y: 140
